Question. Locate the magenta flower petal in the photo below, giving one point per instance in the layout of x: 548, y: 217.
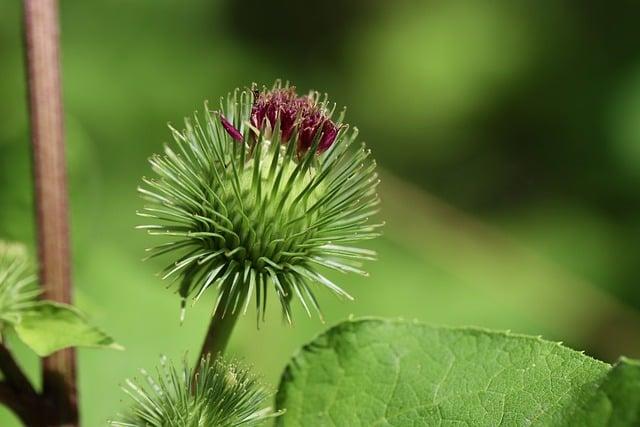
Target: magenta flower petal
x: 231, y: 130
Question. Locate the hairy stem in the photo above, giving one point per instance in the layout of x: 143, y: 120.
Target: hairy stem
x: 47, y: 137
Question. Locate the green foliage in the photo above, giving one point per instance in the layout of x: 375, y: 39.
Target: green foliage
x: 616, y: 402
x: 378, y: 372
x: 258, y: 213
x: 44, y: 326
x: 49, y: 327
x: 220, y: 394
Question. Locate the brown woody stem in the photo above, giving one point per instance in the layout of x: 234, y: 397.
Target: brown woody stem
x: 49, y: 167
x: 17, y: 393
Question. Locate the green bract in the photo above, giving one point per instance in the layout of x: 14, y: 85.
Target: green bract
x: 249, y: 207
x: 220, y: 394
x: 18, y: 292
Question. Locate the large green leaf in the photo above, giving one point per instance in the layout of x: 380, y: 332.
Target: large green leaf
x: 616, y: 402
x: 396, y: 373
x: 49, y: 327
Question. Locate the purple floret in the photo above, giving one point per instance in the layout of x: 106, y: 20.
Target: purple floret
x: 231, y: 130
x: 293, y: 110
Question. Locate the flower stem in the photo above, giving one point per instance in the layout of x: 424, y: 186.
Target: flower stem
x: 219, y: 332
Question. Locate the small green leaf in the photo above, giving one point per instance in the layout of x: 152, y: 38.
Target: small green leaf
x: 49, y: 327
x: 396, y: 373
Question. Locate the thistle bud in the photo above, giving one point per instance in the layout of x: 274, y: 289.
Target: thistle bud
x: 264, y: 194
x: 220, y: 394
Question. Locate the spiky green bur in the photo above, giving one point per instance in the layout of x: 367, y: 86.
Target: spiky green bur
x: 220, y: 394
x: 18, y: 292
x: 261, y: 195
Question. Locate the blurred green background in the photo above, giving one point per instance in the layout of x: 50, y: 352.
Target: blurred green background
x: 508, y: 134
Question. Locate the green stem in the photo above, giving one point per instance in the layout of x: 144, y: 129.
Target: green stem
x: 219, y: 332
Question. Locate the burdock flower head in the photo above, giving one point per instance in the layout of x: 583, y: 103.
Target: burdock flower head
x: 264, y: 194
x: 221, y: 394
